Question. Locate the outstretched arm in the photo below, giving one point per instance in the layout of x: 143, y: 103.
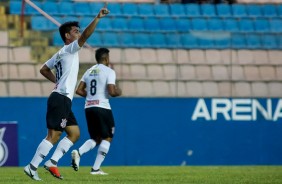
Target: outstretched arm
x: 91, y: 27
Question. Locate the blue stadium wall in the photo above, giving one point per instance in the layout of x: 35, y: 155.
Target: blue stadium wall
x: 166, y: 131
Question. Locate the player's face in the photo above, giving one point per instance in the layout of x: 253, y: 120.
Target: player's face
x: 74, y: 33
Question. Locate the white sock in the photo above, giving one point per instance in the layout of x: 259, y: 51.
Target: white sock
x: 87, y: 146
x: 102, y: 152
x: 42, y: 150
x: 63, y: 146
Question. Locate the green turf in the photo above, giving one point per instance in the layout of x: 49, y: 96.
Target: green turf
x: 154, y: 175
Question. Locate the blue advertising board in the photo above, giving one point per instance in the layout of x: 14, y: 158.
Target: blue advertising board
x: 166, y: 131
x: 8, y: 144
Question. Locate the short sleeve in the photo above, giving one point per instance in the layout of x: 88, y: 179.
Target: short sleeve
x: 112, y: 77
x: 72, y: 47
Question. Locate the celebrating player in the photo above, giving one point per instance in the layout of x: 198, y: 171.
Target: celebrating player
x: 59, y: 115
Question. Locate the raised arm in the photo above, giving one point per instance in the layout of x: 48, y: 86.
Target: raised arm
x: 91, y: 27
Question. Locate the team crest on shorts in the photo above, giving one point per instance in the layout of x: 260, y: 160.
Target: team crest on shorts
x: 64, y: 123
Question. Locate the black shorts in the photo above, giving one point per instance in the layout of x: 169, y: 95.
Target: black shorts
x: 59, y: 113
x: 100, y: 122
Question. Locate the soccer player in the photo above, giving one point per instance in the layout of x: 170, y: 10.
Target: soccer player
x: 59, y: 115
x: 97, y: 85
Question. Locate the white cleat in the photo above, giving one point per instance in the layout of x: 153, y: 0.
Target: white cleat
x: 75, y: 159
x: 98, y: 172
x: 32, y: 174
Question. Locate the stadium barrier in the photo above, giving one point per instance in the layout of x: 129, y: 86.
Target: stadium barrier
x: 167, y: 131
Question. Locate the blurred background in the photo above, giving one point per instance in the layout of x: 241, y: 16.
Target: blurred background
x: 201, y: 80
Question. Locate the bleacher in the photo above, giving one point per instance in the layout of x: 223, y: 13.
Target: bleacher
x: 171, y: 50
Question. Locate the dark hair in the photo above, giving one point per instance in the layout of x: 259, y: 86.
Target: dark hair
x: 101, y: 54
x: 66, y: 27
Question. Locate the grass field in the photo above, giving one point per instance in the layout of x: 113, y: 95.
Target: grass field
x: 154, y: 175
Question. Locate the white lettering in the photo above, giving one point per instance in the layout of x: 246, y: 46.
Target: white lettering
x: 221, y: 106
x: 201, y: 111
x: 240, y: 106
x: 237, y: 109
x: 278, y: 113
x: 266, y: 112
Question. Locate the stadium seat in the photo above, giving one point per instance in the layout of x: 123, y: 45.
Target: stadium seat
x: 119, y: 24
x: 144, y: 88
x: 189, y: 41
x: 230, y: 24
x: 115, y: 9
x: 96, y: 39
x: 82, y: 9
x: 3, y: 87
x: 254, y: 10
x: 267, y: 73
x: 158, y: 40
x: 246, y: 25
x: 142, y: 40
x: 203, y: 72
x: 161, y: 10
x: 168, y: 24
x: 105, y: 25
x: 170, y: 72
x: 182, y: 24
x: 111, y: 39
x: 275, y: 89
x: 199, y: 24
x: 239, y: 10
x: 32, y: 88
x: 165, y: 56
x: 251, y: 73
x: 152, y: 24
x: 269, y: 10
x: 85, y: 21
x: 193, y: 10
x: 222, y: 43
x: 66, y: 8
x: 237, y: 89
x: 261, y: 25
x: 50, y: 7
x: 173, y: 41
x: 238, y: 41
x: 279, y: 9
x: 138, y: 71
x: 220, y: 72
x: 95, y: 7
x: 29, y: 10
x: 269, y: 41
x: 127, y: 40
x: 130, y: 9
x: 215, y: 24
x: 146, y: 10
x: 136, y: 24
x: 53, y: 26
x: 276, y: 25
x: 206, y: 43
x: 57, y: 40
x: 155, y: 71
x: 223, y: 10
x: 253, y: 41
x: 16, y: 88
x: 26, y: 71
x: 148, y: 55
x: 259, y: 89
x: 210, y: 89
x: 39, y: 23
x: 208, y: 10
x: 15, y: 7
x: 177, y: 10
x: 187, y: 72
x: 197, y: 56
x: 194, y: 89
